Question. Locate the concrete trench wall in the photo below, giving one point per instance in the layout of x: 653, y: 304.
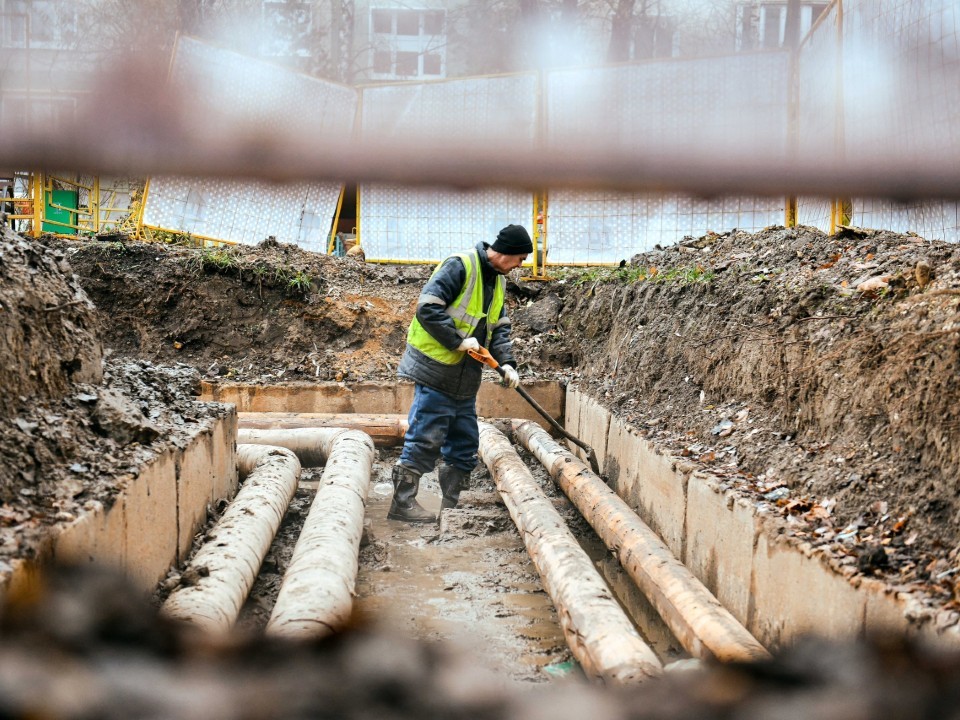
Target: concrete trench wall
x: 777, y: 587
x: 152, y: 522
x: 378, y: 398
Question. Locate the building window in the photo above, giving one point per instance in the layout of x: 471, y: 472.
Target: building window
x: 432, y: 64
x: 407, y: 63
x: 287, y: 28
x: 433, y: 22
x: 382, y: 62
x: 773, y: 19
x: 38, y: 24
x: 408, y: 23
x: 383, y: 22
x: 408, y: 43
x: 763, y: 24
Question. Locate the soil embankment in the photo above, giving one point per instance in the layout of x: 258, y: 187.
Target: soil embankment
x: 813, y: 373
x: 73, y: 429
x: 816, y: 374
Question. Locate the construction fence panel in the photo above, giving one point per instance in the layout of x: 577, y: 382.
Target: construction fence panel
x: 426, y: 224
x: 241, y: 97
x: 591, y: 227
x: 21, y: 200
x: 901, y: 87
x: 735, y: 106
x: 118, y: 197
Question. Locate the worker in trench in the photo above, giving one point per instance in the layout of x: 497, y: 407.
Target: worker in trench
x: 460, y: 308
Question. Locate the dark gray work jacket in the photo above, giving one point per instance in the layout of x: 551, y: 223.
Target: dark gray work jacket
x: 462, y: 380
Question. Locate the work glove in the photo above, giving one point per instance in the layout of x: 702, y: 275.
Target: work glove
x: 470, y: 343
x: 510, y: 377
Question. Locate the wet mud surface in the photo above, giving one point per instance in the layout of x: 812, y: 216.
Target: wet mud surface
x: 466, y: 580
x: 812, y: 374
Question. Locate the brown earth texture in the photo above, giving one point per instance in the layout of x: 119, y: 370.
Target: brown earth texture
x: 813, y: 374
x: 816, y: 374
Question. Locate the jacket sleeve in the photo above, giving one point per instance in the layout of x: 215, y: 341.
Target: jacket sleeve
x: 437, y: 295
x: 501, y: 344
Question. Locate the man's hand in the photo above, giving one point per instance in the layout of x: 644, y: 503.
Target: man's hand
x: 510, y: 377
x: 469, y: 343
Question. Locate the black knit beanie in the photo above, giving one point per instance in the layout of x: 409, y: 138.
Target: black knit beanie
x: 513, y: 240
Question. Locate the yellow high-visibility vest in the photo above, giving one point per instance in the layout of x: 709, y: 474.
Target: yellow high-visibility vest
x: 466, y: 311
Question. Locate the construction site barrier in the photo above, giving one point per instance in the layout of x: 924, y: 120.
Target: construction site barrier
x: 872, y: 79
x: 210, y: 78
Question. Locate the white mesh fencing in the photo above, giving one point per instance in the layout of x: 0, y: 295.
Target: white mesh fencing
x: 415, y: 224
x: 857, y: 95
x: 207, y: 77
x: 896, y: 65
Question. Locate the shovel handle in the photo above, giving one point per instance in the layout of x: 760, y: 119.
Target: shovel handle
x: 483, y: 355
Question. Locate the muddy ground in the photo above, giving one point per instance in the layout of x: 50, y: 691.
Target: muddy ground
x: 763, y: 359
x: 466, y: 581
x: 815, y: 374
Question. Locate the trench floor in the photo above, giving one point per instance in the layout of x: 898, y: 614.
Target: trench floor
x: 466, y: 580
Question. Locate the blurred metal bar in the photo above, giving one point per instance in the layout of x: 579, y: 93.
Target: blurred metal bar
x: 96, y: 149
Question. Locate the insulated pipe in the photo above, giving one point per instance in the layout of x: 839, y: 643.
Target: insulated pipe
x: 225, y: 567
x: 386, y: 430
x: 600, y: 635
x: 316, y: 595
x: 702, y: 625
x: 312, y: 445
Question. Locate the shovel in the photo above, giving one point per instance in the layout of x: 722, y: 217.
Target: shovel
x: 483, y: 355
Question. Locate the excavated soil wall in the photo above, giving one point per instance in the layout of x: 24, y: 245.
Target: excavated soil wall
x: 779, y: 588
x: 48, y: 326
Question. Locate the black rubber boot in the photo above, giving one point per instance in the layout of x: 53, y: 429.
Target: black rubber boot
x: 452, y: 481
x: 406, y: 484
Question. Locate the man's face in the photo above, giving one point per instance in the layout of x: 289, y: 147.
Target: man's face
x: 505, y: 263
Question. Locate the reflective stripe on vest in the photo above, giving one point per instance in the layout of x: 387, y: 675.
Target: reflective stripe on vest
x: 466, y: 312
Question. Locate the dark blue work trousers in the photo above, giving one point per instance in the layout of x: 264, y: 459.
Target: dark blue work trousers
x: 440, y: 425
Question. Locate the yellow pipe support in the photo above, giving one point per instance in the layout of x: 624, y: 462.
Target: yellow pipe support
x: 95, y: 204
x: 336, y: 220
x: 536, y: 233
x: 39, y: 186
x: 356, y: 230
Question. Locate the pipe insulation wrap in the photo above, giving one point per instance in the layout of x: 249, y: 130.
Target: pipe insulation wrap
x: 702, y: 625
x: 312, y: 446
x: 600, y: 635
x: 224, y: 569
x: 316, y: 595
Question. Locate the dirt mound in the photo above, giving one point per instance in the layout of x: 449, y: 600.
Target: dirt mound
x: 73, y: 430
x: 261, y: 313
x: 815, y: 373
x: 47, y: 325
